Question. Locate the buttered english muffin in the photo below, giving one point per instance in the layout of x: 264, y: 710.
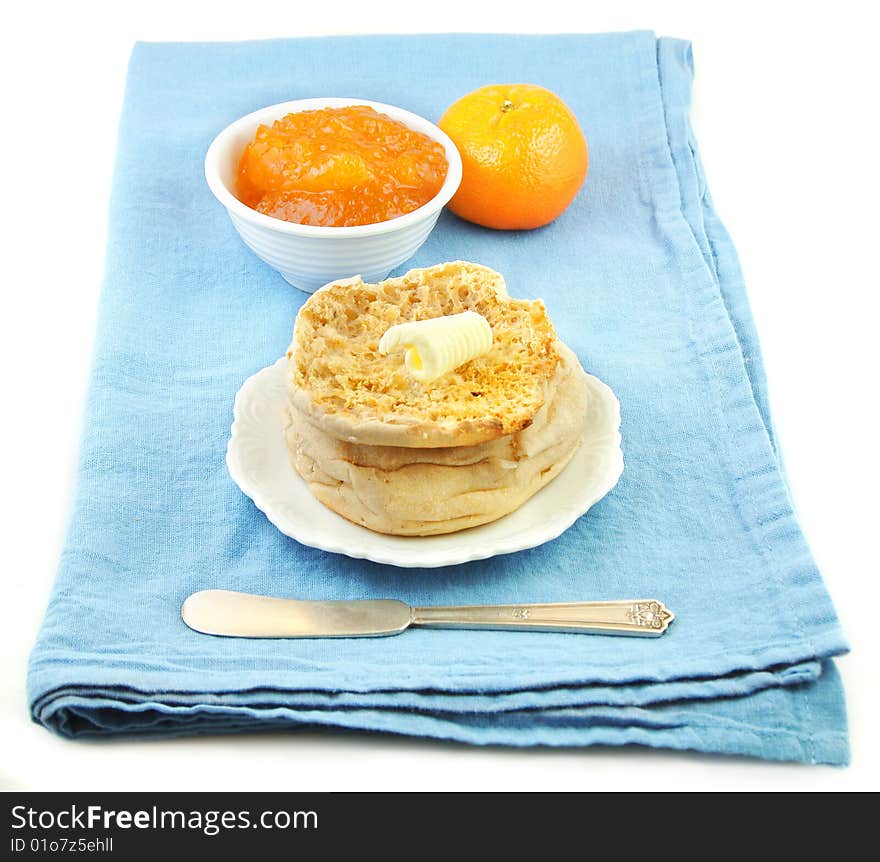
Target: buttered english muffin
x: 339, y: 377
x: 406, y: 453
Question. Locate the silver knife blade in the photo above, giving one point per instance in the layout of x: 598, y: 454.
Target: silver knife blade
x: 223, y: 612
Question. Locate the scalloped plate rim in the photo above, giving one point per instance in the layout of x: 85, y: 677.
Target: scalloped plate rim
x: 471, y: 548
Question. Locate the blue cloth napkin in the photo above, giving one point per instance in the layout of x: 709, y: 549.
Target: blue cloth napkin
x: 640, y: 279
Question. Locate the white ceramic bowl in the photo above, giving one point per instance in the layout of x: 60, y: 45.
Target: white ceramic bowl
x: 309, y: 256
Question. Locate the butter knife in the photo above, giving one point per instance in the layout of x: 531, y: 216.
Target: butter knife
x: 223, y: 612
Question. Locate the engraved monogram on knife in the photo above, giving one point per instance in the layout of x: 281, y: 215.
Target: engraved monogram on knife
x: 232, y: 614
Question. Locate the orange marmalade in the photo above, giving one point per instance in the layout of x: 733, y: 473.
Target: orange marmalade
x: 339, y: 167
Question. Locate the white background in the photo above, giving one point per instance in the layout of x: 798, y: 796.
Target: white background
x: 785, y: 112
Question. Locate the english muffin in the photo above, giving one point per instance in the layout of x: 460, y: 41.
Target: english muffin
x: 411, y: 458
x: 352, y: 392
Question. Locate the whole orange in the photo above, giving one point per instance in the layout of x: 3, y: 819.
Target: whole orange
x: 524, y: 155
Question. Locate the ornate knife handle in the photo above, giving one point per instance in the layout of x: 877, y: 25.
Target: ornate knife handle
x: 638, y: 617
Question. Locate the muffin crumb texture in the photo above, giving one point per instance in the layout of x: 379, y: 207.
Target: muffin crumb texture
x: 335, y: 356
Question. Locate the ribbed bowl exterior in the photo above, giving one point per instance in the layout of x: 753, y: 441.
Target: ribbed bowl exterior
x: 309, y: 262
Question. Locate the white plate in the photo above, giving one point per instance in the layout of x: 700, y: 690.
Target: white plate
x: 258, y: 463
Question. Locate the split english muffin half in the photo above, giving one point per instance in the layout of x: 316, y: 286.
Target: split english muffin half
x: 339, y: 378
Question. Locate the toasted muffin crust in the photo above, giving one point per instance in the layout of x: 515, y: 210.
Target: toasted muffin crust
x: 339, y: 378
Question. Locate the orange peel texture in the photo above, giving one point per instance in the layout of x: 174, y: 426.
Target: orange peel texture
x: 524, y: 156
